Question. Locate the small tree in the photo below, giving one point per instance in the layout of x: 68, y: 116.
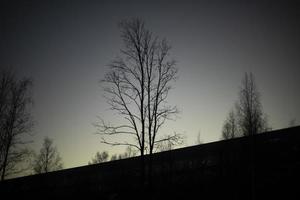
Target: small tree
x: 99, y: 158
x: 249, y: 109
x: 248, y: 118
x: 48, y: 159
x: 230, y: 126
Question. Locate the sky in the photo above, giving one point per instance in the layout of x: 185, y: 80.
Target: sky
x: 65, y: 46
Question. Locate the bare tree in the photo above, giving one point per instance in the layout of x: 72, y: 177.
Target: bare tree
x: 48, y: 159
x: 6, y: 80
x: 100, y: 157
x: 15, y: 121
x: 248, y: 118
x: 230, y: 126
x: 137, y: 87
x: 249, y: 109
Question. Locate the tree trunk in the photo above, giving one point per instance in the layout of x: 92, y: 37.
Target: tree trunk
x: 5, y: 161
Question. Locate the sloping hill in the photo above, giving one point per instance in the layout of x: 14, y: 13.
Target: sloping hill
x: 266, y: 166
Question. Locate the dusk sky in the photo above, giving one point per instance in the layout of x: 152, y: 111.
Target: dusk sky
x: 65, y: 46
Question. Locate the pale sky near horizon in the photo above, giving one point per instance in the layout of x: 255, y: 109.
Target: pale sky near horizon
x: 65, y: 47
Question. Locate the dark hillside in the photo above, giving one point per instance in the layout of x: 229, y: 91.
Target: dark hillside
x: 263, y: 167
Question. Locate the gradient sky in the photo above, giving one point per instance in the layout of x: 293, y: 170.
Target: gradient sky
x: 65, y: 47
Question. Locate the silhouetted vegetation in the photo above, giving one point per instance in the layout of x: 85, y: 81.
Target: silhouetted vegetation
x: 100, y: 157
x: 15, y: 122
x: 250, y: 114
x: 169, y: 144
x: 48, y: 159
x: 248, y: 118
x: 230, y: 126
x: 137, y: 87
x: 104, y: 156
x: 129, y: 152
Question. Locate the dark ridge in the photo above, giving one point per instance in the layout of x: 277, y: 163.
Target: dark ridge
x: 265, y: 166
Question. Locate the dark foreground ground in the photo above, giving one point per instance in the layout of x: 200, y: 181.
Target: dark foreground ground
x: 266, y: 166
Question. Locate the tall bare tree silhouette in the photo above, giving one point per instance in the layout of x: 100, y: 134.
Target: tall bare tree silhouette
x: 137, y: 88
x: 15, y: 121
